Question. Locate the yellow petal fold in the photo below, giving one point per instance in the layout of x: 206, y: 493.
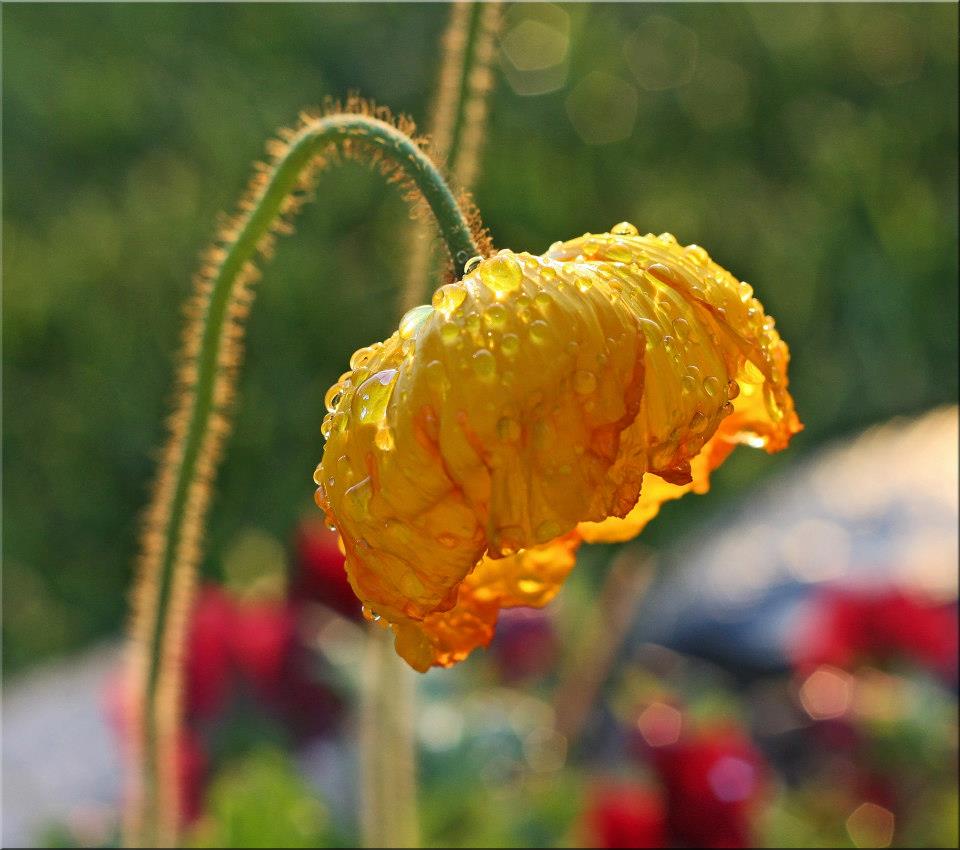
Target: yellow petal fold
x: 538, y: 401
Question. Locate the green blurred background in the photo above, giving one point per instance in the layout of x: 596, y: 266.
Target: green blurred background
x: 811, y: 149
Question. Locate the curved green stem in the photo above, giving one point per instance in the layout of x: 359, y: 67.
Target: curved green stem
x: 171, y: 548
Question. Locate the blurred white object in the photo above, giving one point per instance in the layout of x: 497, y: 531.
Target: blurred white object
x: 61, y: 764
x: 878, y: 509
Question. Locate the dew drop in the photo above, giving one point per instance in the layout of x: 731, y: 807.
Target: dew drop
x: 326, y: 426
x: 435, y: 376
x: 698, y: 423
x: 711, y: 385
x: 370, y: 402
x: 484, y: 364
x: 360, y: 357
x: 584, y: 283
x: 447, y: 298
x: 449, y: 333
x: 746, y: 291
x: 688, y: 384
x: 667, y: 238
x: 584, y: 382
x: 542, y: 301
x: 681, y: 327
x: 501, y: 273
x: 619, y: 253
x: 495, y: 316
x: 413, y: 319
x: 539, y: 332
x: 624, y: 228
x: 332, y: 398
x: 318, y: 474
x: 510, y: 344
x: 662, y: 273
x: 733, y: 389
x: 698, y: 255
x: 471, y: 264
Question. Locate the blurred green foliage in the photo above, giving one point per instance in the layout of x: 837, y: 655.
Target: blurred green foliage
x: 262, y: 801
x: 812, y: 149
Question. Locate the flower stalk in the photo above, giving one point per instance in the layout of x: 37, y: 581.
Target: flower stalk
x: 387, y: 754
x: 211, y: 356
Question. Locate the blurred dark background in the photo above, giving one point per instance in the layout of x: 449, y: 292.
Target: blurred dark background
x: 812, y: 149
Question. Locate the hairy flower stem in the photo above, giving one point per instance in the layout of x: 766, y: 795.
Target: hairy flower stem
x: 458, y: 119
x: 176, y: 517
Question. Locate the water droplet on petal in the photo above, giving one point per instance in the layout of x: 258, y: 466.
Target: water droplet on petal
x: 584, y: 382
x: 539, y: 332
x: 501, y: 273
x: 624, y: 228
x: 449, y: 333
x: 733, y: 389
x: 413, y: 319
x: 360, y: 357
x: 667, y: 238
x: 510, y: 344
x: 484, y: 364
x: 495, y: 316
x: 318, y: 474
x: 326, y: 426
x: 471, y: 264
x: 332, y: 398
x: 698, y: 255
x: 373, y: 395
x: 447, y: 298
x: 711, y: 385
x: 619, y: 253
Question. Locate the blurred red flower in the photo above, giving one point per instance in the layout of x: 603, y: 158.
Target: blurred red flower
x: 193, y: 772
x: 625, y: 816
x: 320, y: 575
x: 847, y: 625
x: 713, y: 783
x: 525, y: 644
x: 262, y: 637
x: 236, y: 642
x: 209, y: 661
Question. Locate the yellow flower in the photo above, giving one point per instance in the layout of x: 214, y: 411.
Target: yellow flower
x: 539, y: 401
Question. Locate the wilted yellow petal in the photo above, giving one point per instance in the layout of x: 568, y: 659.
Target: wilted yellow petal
x: 525, y: 408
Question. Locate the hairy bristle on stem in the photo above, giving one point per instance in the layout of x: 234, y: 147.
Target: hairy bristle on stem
x: 458, y: 122
x: 210, y: 358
